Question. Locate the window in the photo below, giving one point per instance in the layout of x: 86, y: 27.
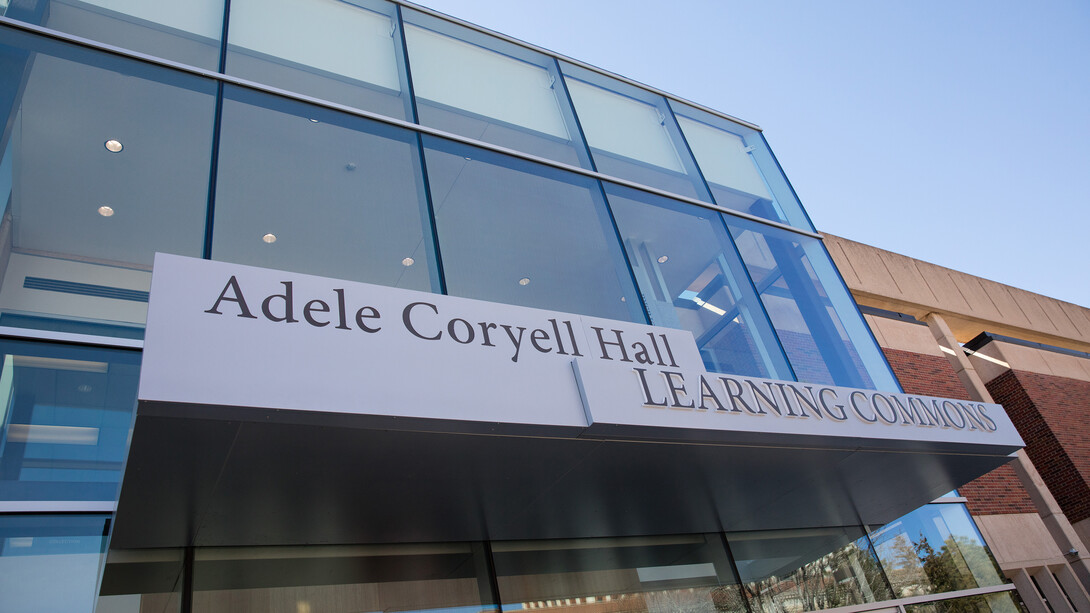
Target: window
x: 352, y: 53
x: 310, y: 190
x: 475, y: 85
x: 109, y: 163
x: 520, y: 233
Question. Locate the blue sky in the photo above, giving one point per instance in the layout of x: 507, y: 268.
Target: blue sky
x: 953, y: 132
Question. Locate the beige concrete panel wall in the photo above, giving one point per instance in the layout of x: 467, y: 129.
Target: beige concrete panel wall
x: 989, y: 362
x: 893, y: 334
x: 1019, y: 541
x: 1082, y: 528
x: 969, y: 304
x: 1006, y: 356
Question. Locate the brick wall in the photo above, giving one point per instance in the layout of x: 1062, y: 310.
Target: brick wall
x: 1053, y: 416
x: 927, y: 375
x: 996, y: 493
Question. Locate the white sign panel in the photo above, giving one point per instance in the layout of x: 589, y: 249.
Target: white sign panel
x: 228, y: 335
x: 239, y: 336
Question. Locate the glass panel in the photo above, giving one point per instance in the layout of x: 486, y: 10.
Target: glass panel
x: 516, y: 232
x: 659, y: 574
x: 49, y: 564
x: 1002, y: 602
x: 109, y: 162
x: 690, y: 277
x: 740, y: 169
x: 632, y: 133
x: 816, y: 319
x: 310, y: 190
x: 187, y: 32
x: 478, y: 86
x: 934, y: 549
x: 66, y: 413
x: 352, y: 53
x: 145, y: 580
x: 807, y: 570
x: 340, y: 579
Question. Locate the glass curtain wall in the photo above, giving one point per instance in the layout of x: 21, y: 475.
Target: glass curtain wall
x: 313, y: 190
x: 352, y: 56
x: 106, y: 161
x: 691, y: 277
x: 51, y: 562
x: 739, y: 167
x: 309, y: 189
x: 490, y: 90
x: 632, y: 133
x: 186, y: 32
x: 776, y: 571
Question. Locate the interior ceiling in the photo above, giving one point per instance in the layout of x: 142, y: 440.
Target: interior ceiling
x: 157, y: 185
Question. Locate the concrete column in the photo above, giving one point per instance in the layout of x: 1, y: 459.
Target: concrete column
x: 1073, y: 588
x: 1053, y: 517
x: 1052, y: 591
x: 1028, y: 592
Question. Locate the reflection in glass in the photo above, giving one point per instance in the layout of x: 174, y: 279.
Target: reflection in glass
x: 83, y: 221
x: 815, y: 318
x: 691, y: 278
x: 1002, y: 602
x: 935, y: 549
x: 341, y: 578
x: 739, y: 167
x: 790, y: 571
x: 49, y: 563
x: 653, y: 574
x: 352, y: 53
x: 315, y: 191
x: 478, y: 86
x: 632, y: 133
x: 520, y: 233
x: 66, y: 413
x: 187, y: 32
x: 142, y: 580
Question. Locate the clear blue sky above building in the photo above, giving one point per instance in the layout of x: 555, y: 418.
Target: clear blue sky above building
x: 953, y: 132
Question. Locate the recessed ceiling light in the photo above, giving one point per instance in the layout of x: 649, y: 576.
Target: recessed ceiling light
x: 105, y: 211
x: 469, y: 159
x: 313, y: 120
x: 524, y: 281
x: 662, y: 259
x: 623, y: 299
x: 114, y: 146
x: 269, y: 238
x: 408, y: 262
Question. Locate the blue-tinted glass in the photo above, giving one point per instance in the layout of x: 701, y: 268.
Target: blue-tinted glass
x: 935, y: 549
x: 311, y: 190
x: 690, y: 277
x: 187, y: 32
x: 66, y: 415
x: 739, y: 167
x: 520, y: 233
x: 352, y: 54
x: 109, y: 161
x: 816, y: 319
x: 50, y: 563
x: 806, y: 570
x: 475, y: 85
x: 632, y: 133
